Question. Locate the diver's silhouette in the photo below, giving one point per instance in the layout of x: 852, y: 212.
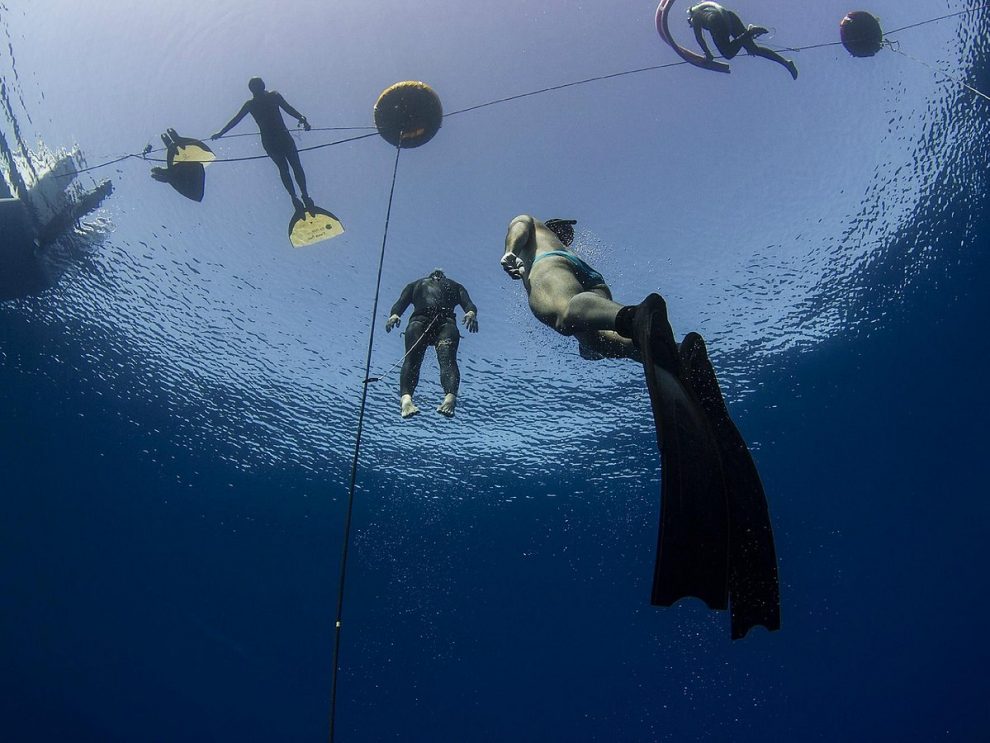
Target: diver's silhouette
x: 275, y: 138
x: 730, y: 35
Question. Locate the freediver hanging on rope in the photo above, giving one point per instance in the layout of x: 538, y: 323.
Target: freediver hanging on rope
x: 264, y: 108
x: 715, y: 541
x: 309, y: 223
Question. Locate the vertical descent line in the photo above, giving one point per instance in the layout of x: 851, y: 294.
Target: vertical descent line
x: 354, y: 462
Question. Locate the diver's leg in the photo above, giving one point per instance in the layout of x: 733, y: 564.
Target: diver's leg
x: 588, y: 310
x: 293, y: 157
x: 409, y: 377
x: 726, y: 47
x: 756, y: 50
x: 590, y: 316
x: 283, y: 172
x: 558, y: 300
x: 603, y: 344
x: 739, y: 31
x: 450, y: 376
x: 723, y: 28
x: 730, y: 35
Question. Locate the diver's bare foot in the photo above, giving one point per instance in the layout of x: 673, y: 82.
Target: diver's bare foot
x: 587, y: 352
x: 447, y: 406
x: 409, y: 408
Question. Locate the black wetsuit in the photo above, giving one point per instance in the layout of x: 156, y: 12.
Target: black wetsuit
x: 266, y: 110
x: 722, y: 23
x: 730, y: 34
x: 432, y: 324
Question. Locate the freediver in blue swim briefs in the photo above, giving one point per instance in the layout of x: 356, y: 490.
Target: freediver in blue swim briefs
x: 716, y: 539
x: 564, y: 292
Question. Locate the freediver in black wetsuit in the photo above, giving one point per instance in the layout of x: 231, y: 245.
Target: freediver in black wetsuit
x: 433, y: 323
x: 730, y: 35
x: 275, y: 137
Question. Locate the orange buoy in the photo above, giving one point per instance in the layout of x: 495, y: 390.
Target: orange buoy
x: 408, y: 114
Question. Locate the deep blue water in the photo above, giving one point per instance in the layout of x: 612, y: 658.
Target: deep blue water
x: 153, y: 590
x: 136, y: 610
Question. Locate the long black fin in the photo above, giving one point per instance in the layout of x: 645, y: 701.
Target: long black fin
x: 754, y: 591
x: 692, y: 545
x: 189, y: 179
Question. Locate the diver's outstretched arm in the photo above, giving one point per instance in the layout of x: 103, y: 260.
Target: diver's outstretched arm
x: 233, y: 122
x: 284, y: 104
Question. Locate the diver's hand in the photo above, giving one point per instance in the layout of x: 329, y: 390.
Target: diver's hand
x: 215, y: 135
x: 393, y: 322
x: 304, y: 124
x: 512, y: 264
x: 470, y: 321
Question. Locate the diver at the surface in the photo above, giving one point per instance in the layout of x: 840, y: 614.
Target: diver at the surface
x: 275, y: 138
x: 730, y: 35
x: 432, y: 323
x: 715, y: 541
